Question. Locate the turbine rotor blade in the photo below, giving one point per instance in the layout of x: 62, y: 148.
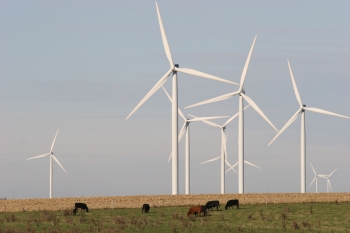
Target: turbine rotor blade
x: 312, y: 182
x: 207, y: 122
x: 54, y: 157
x: 203, y: 75
x: 330, y: 187
x: 233, y: 117
x: 165, y: 41
x: 53, y: 143
x: 325, y: 112
x: 231, y: 168
x: 219, y: 98
x: 297, y: 95
x: 39, y: 156
x: 291, y: 120
x: 170, y: 157
x: 211, y: 160
x: 179, y: 111
x: 182, y: 131
x: 251, y: 102
x: 206, y: 118
x: 332, y: 172
x: 313, y: 169
x: 151, y: 92
x: 251, y: 164
x: 246, y: 65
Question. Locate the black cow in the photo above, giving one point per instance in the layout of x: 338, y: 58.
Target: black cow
x: 82, y: 206
x: 211, y: 204
x: 231, y: 203
x: 146, y: 208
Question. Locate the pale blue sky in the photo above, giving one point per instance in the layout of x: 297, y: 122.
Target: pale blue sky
x: 82, y: 66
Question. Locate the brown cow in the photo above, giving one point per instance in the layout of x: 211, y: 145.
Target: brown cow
x: 196, y: 210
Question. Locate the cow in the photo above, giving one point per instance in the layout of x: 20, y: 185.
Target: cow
x: 204, y: 210
x: 82, y: 206
x: 211, y: 204
x: 146, y: 208
x: 231, y: 203
x: 194, y: 210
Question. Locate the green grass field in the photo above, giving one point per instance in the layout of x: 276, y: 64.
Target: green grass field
x: 308, y: 217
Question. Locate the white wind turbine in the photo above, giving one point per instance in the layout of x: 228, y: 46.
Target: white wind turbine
x: 242, y: 95
x: 186, y: 127
x: 174, y: 68
x: 329, y: 188
x: 301, y: 110
x: 51, y: 157
x: 223, y: 155
x: 315, y: 178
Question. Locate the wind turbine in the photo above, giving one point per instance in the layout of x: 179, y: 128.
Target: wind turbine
x: 328, y: 181
x: 223, y: 155
x: 186, y: 128
x: 51, y: 157
x: 301, y: 110
x: 242, y: 95
x: 174, y: 68
x: 315, y: 178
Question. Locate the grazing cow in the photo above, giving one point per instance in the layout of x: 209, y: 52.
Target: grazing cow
x: 204, y: 210
x: 231, y: 203
x: 211, y: 204
x: 194, y: 210
x: 146, y: 208
x: 82, y: 206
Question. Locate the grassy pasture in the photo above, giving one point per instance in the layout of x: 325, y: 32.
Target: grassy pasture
x: 307, y: 217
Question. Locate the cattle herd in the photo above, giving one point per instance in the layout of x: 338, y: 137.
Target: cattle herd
x: 194, y: 210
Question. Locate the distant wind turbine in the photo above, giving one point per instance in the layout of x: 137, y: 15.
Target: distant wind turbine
x: 174, y: 68
x: 301, y: 110
x: 51, y: 157
x: 315, y: 178
x: 241, y: 93
x: 186, y: 128
x: 329, y: 188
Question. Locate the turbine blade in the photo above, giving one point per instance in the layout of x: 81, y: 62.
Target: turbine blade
x: 294, y: 85
x: 219, y: 98
x: 170, y: 157
x: 207, y: 122
x: 206, y: 118
x: 53, y: 143
x: 246, y: 65
x: 312, y: 182
x: 210, y: 160
x: 332, y: 172
x: 234, y: 165
x: 165, y: 41
x: 233, y: 117
x: 325, y: 112
x: 179, y: 111
x: 182, y: 131
x: 39, y: 156
x: 286, y: 125
x: 251, y: 102
x: 251, y: 164
x: 203, y: 75
x: 313, y: 169
x: 231, y: 168
x: 54, y: 157
x: 329, y: 183
x: 151, y: 92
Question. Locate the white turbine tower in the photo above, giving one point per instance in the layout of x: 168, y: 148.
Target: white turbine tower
x: 301, y: 110
x: 174, y: 68
x: 51, y: 157
x: 242, y: 95
x: 186, y: 127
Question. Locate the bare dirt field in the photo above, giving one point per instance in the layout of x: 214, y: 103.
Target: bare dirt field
x: 113, y: 202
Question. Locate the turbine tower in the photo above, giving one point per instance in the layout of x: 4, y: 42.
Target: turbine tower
x: 186, y: 128
x: 174, y: 68
x: 242, y: 95
x: 51, y: 157
x: 301, y: 110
